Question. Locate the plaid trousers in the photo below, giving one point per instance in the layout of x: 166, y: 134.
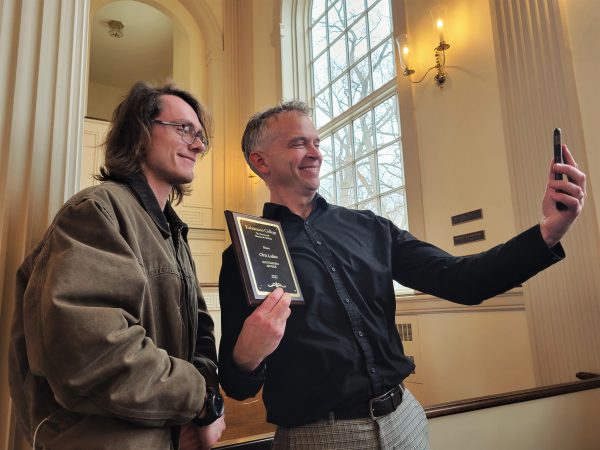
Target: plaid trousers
x: 404, y: 429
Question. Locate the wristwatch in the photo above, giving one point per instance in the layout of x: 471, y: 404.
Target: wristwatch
x: 214, y: 406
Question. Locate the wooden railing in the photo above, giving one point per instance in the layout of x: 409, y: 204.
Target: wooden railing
x: 508, y: 398
x: 587, y: 381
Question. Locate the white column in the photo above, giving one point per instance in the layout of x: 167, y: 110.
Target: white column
x: 42, y: 86
x: 538, y: 93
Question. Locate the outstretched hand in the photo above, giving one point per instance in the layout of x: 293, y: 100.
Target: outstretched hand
x: 262, y: 331
x: 570, y: 192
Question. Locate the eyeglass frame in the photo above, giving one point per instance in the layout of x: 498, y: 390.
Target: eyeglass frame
x: 197, y: 134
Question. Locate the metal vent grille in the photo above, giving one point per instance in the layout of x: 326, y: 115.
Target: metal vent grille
x: 405, y: 331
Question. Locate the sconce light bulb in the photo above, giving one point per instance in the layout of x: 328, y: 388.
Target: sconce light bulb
x: 440, y: 23
x: 405, y: 50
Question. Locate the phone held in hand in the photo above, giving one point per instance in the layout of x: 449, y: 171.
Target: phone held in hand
x: 558, y: 159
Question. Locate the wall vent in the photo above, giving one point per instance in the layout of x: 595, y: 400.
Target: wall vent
x: 405, y: 331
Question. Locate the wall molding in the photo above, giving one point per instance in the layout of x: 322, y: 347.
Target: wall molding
x: 512, y: 300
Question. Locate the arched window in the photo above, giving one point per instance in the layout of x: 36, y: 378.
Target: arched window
x: 352, y: 88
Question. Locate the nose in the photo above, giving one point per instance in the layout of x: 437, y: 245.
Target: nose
x: 314, y: 152
x: 197, y: 146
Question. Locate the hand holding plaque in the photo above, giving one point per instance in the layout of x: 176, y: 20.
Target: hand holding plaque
x: 262, y: 256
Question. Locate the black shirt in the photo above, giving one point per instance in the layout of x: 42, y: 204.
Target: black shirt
x: 342, y: 347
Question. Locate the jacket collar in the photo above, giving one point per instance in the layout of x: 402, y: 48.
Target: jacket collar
x: 165, y: 221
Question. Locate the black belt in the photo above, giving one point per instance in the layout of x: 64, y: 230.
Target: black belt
x: 376, y: 407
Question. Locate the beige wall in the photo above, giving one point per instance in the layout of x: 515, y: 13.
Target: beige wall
x: 582, y: 19
x: 102, y: 100
x: 460, y: 132
x: 465, y: 352
x: 555, y: 423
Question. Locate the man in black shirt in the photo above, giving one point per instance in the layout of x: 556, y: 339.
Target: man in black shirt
x: 332, y: 371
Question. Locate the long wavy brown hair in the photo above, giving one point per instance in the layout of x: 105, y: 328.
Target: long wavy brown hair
x: 129, y: 133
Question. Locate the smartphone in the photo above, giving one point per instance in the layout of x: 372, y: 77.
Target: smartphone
x: 558, y: 159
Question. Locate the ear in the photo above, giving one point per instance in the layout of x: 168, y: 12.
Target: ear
x: 260, y: 163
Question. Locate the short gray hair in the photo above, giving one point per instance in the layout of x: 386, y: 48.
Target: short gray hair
x: 257, y: 125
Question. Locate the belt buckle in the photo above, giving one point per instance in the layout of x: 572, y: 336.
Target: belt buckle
x: 371, y: 408
x: 391, y: 393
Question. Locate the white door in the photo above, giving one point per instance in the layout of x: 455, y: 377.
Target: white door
x: 94, y: 134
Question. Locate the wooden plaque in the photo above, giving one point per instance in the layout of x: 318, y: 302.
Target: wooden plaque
x: 262, y: 256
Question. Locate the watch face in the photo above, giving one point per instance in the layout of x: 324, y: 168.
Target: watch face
x: 214, y: 407
x: 215, y: 403
x: 219, y: 405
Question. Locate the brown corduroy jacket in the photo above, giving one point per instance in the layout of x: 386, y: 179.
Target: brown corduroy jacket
x: 111, y: 344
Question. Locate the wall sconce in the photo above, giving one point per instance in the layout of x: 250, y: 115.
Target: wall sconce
x: 438, y: 14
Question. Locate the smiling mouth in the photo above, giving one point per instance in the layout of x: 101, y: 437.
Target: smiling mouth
x: 189, y: 158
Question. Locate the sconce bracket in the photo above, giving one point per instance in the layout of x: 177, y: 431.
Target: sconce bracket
x: 443, y: 46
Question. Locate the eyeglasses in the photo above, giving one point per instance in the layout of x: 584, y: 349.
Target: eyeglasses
x: 187, y: 133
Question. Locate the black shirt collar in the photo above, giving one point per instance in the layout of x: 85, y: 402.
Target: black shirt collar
x: 275, y: 211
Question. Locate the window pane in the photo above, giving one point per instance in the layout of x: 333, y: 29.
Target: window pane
x: 321, y: 72
x: 364, y: 138
x: 353, y: 57
x: 354, y: 8
x: 323, y: 108
x: 319, y: 36
x: 360, y: 81
x: 379, y: 23
x: 366, y: 178
x: 391, y: 170
x: 393, y: 207
x: 326, y: 149
x: 318, y: 8
x: 370, y: 205
x: 357, y: 40
x: 342, y: 147
x: 327, y: 188
x: 336, y: 20
x: 345, y: 186
x: 341, y: 96
x: 339, y: 59
x: 386, y: 122
x: 382, y: 61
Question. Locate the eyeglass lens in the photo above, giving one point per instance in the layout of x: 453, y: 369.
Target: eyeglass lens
x: 189, y: 135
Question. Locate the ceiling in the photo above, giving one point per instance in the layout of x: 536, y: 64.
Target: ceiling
x: 145, y: 52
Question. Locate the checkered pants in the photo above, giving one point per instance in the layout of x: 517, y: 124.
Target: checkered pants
x: 404, y: 429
